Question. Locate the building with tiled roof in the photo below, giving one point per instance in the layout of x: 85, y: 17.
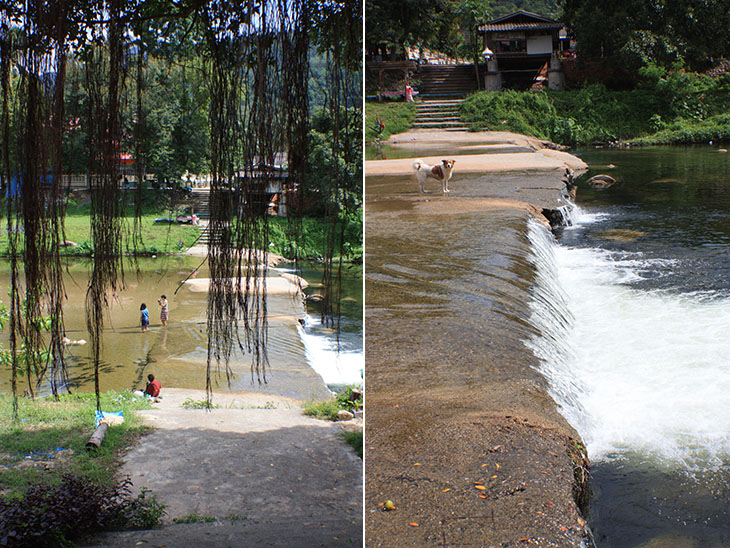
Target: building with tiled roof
x: 522, y: 50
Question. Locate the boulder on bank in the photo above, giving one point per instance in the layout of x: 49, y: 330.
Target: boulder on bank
x: 343, y: 415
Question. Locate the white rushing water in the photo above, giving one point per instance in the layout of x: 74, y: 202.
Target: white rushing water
x: 644, y: 371
x: 336, y: 366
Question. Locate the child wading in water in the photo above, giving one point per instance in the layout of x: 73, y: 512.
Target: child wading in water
x: 144, y: 317
x: 163, y: 312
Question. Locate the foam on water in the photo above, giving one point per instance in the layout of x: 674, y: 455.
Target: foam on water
x: 336, y: 365
x: 632, y: 370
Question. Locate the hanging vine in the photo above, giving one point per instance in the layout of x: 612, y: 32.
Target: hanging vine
x: 256, y: 61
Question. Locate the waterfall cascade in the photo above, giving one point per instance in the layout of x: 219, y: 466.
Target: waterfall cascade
x: 634, y: 371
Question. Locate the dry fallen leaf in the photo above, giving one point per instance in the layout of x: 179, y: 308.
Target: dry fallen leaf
x: 482, y: 496
x: 413, y: 524
x: 480, y: 487
x: 494, y: 477
x: 485, y: 464
x: 446, y: 490
x: 416, y: 464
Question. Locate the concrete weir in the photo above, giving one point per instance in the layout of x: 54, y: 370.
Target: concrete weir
x: 462, y: 435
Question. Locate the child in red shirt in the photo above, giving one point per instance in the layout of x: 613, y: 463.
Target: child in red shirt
x: 153, y: 386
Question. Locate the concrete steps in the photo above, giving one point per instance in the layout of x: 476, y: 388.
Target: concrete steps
x: 439, y: 114
x: 447, y: 80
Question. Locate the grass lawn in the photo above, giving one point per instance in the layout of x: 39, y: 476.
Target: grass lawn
x: 50, y: 439
x: 164, y: 238
x: 397, y: 117
x: 52, y: 489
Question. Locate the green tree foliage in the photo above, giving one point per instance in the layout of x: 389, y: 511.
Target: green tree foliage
x: 548, y: 8
x: 469, y: 14
x: 448, y: 26
x: 395, y: 23
x: 634, y: 33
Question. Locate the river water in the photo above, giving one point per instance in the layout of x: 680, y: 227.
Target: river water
x: 633, y: 303
x: 304, y: 361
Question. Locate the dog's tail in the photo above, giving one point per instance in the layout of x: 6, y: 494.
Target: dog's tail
x: 417, y: 165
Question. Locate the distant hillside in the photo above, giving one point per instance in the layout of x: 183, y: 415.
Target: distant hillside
x: 548, y: 8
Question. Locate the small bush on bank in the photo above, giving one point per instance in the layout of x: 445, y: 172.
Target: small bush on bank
x: 344, y: 401
x: 528, y: 113
x: 354, y: 439
x: 685, y: 132
x: 54, y: 515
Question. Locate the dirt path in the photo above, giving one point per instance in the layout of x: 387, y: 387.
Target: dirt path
x: 261, y: 471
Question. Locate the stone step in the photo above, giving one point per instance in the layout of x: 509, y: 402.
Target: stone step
x: 437, y: 113
x: 441, y: 125
x: 450, y: 119
x: 439, y: 103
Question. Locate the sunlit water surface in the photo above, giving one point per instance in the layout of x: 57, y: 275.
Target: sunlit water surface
x: 303, y: 360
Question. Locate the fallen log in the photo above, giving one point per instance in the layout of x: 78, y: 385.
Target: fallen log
x: 98, y: 436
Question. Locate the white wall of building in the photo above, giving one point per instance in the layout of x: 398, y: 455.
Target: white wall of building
x: 539, y: 44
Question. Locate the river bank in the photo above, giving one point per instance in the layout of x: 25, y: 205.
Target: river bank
x: 249, y: 470
x: 462, y: 435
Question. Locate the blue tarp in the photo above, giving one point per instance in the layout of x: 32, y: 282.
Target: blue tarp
x: 101, y: 414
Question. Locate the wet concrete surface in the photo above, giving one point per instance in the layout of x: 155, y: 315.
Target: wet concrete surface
x: 462, y: 436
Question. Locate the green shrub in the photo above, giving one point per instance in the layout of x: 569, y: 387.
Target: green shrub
x: 54, y: 515
x: 328, y: 410
x: 354, y: 439
x: 668, y: 108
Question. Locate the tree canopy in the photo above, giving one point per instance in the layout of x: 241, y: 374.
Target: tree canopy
x: 221, y: 86
x: 448, y: 26
x: 635, y: 33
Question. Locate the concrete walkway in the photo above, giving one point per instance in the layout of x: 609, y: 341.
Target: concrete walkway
x: 256, y: 469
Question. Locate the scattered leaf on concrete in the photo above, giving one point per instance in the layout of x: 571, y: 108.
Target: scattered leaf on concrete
x: 480, y: 487
x: 446, y: 490
x: 413, y: 524
x: 416, y: 464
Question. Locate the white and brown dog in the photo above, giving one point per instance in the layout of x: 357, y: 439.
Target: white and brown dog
x: 441, y: 172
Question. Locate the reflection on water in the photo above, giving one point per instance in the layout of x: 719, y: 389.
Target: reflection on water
x: 177, y: 353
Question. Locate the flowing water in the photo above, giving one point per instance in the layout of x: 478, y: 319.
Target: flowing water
x: 301, y: 358
x: 633, y: 303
